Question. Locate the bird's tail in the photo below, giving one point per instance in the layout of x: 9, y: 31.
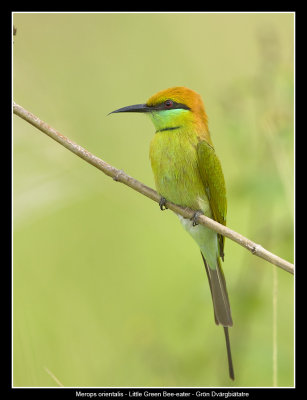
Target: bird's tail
x: 222, y: 313
x: 221, y: 305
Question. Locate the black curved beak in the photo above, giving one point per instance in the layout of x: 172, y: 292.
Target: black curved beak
x: 142, y: 108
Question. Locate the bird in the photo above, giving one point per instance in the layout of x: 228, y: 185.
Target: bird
x: 188, y: 172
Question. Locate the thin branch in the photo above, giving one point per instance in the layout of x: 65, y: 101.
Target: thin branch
x: 121, y: 176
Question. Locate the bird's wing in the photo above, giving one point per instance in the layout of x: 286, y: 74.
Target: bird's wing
x: 213, y: 179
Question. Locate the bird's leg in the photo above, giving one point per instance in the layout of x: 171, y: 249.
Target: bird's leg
x: 195, y: 217
x: 162, y: 203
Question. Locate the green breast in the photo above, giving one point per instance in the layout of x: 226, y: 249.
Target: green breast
x: 174, y: 163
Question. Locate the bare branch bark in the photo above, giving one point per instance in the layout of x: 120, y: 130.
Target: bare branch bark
x: 121, y: 176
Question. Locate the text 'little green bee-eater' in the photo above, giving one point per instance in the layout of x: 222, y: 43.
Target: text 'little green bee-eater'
x: 188, y: 173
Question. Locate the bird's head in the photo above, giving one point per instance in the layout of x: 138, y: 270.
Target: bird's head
x: 176, y: 107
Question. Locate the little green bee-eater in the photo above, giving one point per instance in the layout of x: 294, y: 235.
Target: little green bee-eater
x: 187, y: 172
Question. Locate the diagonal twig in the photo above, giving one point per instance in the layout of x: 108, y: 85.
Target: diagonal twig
x: 121, y: 176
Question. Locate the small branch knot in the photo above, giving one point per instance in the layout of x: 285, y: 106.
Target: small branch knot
x: 118, y: 174
x: 254, y: 249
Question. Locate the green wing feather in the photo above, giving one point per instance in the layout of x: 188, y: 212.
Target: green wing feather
x: 212, y: 176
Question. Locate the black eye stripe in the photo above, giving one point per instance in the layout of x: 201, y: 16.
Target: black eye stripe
x: 175, y: 105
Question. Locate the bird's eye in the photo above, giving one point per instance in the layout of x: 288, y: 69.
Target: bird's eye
x: 168, y: 104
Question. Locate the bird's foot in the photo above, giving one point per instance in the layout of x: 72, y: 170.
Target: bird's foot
x: 162, y: 203
x: 195, y: 217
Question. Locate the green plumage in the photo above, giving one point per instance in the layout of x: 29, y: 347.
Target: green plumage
x: 176, y: 170
x: 213, y: 179
x: 187, y: 172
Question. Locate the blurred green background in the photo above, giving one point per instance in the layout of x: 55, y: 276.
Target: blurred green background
x: 107, y: 289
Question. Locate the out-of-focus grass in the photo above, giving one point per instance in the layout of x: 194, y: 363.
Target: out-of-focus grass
x: 109, y: 291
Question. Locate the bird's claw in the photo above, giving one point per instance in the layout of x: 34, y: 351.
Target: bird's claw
x: 162, y: 203
x: 195, y: 217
